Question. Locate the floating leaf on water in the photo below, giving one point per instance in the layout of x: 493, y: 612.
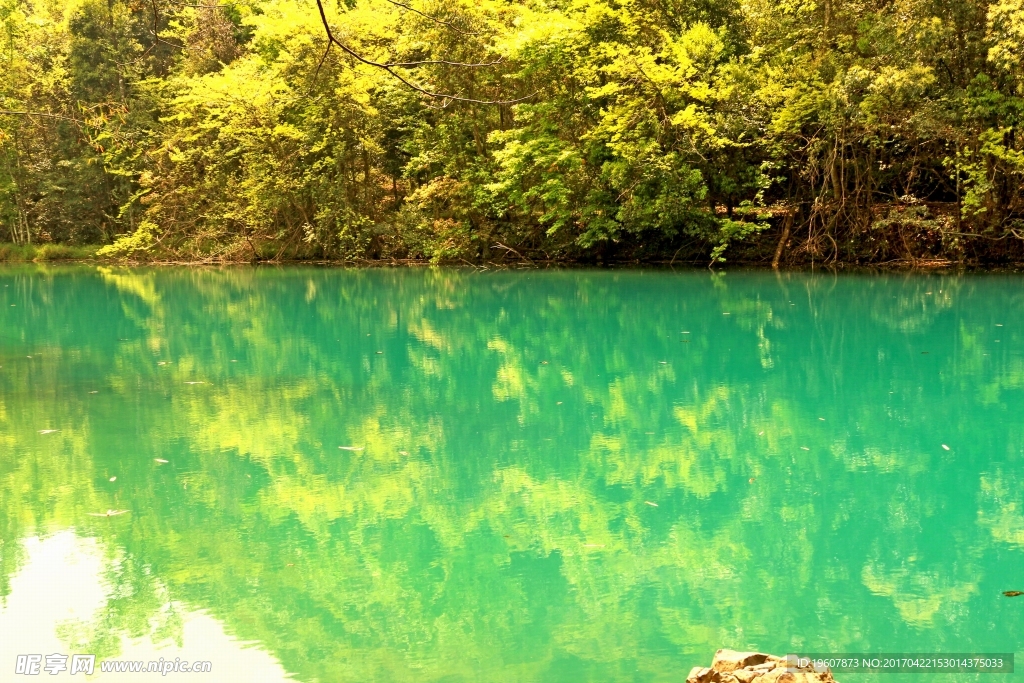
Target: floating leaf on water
x: 653, y: 505
x: 48, y: 431
x: 1012, y: 594
x: 108, y: 513
x: 945, y: 447
x: 351, y: 448
x: 161, y: 460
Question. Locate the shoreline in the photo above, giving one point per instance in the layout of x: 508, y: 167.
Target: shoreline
x: 886, y: 266
x: 52, y: 253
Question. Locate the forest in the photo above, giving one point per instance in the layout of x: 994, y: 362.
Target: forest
x: 597, y: 131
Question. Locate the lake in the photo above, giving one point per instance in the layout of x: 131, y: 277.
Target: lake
x: 450, y: 475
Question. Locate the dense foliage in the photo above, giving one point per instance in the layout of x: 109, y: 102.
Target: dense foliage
x: 586, y: 129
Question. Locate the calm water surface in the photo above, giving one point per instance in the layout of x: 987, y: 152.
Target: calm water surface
x: 443, y: 475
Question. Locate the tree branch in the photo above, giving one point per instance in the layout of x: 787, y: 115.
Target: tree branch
x: 424, y: 62
x: 433, y: 19
x: 11, y: 112
x: 390, y: 68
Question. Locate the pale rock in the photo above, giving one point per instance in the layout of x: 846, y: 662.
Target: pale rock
x: 730, y: 660
x: 699, y: 674
x: 730, y: 666
x: 746, y: 675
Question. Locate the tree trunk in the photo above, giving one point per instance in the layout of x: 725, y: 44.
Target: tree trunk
x: 786, y: 225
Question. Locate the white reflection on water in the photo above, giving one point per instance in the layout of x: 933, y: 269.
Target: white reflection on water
x: 62, y: 581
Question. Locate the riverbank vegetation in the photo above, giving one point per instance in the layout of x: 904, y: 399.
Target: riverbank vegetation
x: 46, y: 252
x: 451, y: 130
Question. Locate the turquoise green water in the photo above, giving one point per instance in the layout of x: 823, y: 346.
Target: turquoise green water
x: 548, y: 476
